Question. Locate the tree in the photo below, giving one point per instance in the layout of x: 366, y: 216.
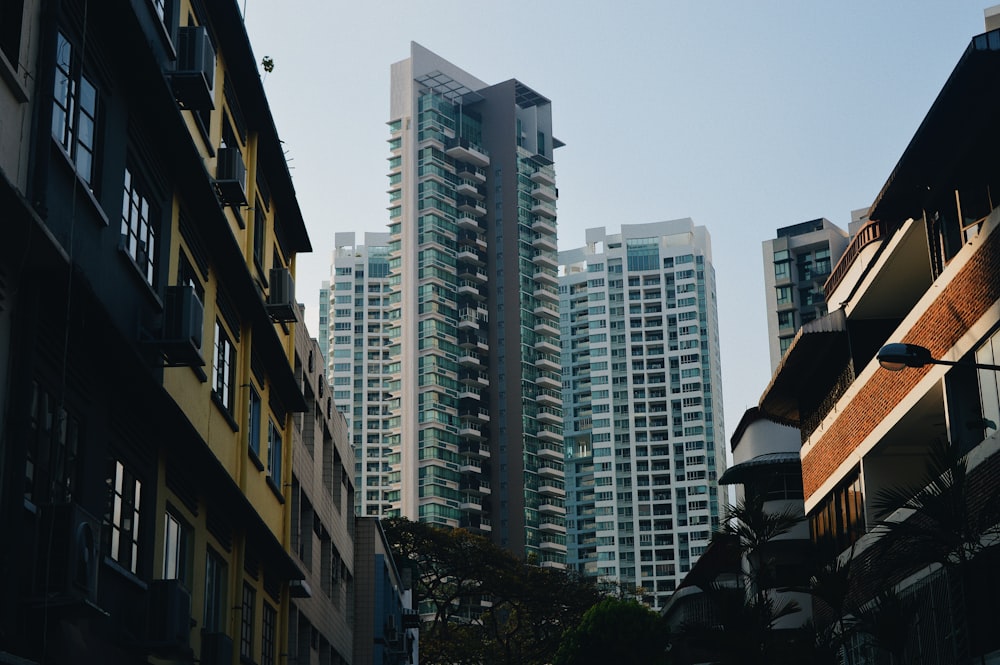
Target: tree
x: 480, y: 604
x: 615, y: 631
x: 949, y: 518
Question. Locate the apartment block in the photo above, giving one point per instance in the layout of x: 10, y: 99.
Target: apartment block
x: 796, y: 264
x: 358, y: 343
x: 641, y: 381
x: 147, y: 320
x: 321, y: 616
x: 924, y: 271
x: 475, y: 418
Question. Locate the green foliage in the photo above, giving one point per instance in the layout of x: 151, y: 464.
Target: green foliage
x: 481, y: 605
x: 615, y: 631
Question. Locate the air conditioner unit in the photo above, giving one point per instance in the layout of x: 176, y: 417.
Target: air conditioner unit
x: 216, y: 649
x: 281, y: 306
x: 193, y: 79
x: 183, y: 320
x: 168, y: 621
x: 231, y: 177
x: 68, y: 553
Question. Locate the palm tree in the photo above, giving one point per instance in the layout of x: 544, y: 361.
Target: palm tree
x: 947, y: 518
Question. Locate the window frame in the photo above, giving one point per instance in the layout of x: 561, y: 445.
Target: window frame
x: 140, y: 224
x: 177, y: 548
x: 122, y: 537
x: 68, y: 113
x: 216, y: 573
x: 223, y: 368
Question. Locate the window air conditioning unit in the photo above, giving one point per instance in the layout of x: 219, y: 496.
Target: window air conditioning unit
x: 68, y: 553
x: 231, y: 177
x: 183, y: 320
x: 216, y: 649
x: 193, y: 78
x: 281, y: 305
x: 168, y: 620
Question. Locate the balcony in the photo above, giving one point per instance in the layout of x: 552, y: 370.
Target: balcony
x: 543, y: 209
x: 545, y: 193
x: 548, y: 259
x: 550, y: 435
x: 472, y: 504
x: 469, y: 188
x: 468, y: 392
x: 543, y: 225
x: 544, y: 176
x: 547, y: 380
x: 544, y: 327
x: 549, y: 470
x: 475, y: 485
x: 548, y: 451
x: 469, y: 289
x: 548, y: 362
x: 550, y: 546
x: 550, y: 416
x: 478, y: 415
x: 474, y: 449
x: 470, y: 319
x: 471, y: 431
x: 470, y: 360
x: 471, y: 206
x: 474, y: 378
x: 547, y: 310
x: 544, y: 241
x: 546, y: 346
x: 550, y: 526
x: 549, y: 398
x: 473, y: 466
x: 467, y: 254
x: 470, y: 172
x: 547, y: 294
x: 551, y: 506
x: 467, y: 222
x: 543, y: 276
x: 464, y: 150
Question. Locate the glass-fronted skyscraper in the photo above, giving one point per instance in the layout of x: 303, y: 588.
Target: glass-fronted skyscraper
x: 642, y: 387
x: 475, y: 424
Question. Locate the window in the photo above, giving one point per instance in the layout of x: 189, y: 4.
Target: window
x: 176, y: 549
x: 267, y: 643
x: 259, y: 234
x: 224, y: 376
x: 274, y: 453
x: 786, y: 319
x: 11, y: 17
x: 253, y: 426
x: 51, y: 451
x: 783, y: 295
x: 246, y: 622
x: 214, y: 620
x: 122, y: 529
x: 74, y: 109
x: 138, y: 231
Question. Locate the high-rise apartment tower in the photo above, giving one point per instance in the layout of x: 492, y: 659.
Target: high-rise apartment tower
x: 358, y: 341
x: 475, y: 431
x: 642, y: 384
x: 796, y: 264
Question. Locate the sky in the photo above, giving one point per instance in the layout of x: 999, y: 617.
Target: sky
x: 744, y: 116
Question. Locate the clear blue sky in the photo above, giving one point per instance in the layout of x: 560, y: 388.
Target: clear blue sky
x: 745, y: 116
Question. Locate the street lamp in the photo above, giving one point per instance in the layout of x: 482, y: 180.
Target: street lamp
x: 895, y: 357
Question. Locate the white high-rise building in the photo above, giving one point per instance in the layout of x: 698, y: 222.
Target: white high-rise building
x: 642, y: 387
x: 357, y: 360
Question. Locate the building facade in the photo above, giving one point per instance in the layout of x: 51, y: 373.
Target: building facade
x: 643, y: 423
x: 321, y: 617
x: 474, y: 372
x: 796, y: 264
x: 149, y: 237
x: 358, y: 306
x: 924, y: 271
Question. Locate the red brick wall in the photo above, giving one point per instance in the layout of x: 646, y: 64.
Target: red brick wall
x: 959, y: 306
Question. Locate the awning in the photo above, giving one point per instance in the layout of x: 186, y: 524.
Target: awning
x: 816, y: 356
x: 740, y: 473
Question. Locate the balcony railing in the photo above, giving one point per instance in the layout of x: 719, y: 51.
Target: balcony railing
x: 866, y: 235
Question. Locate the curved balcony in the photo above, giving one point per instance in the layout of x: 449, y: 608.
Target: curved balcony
x: 543, y: 225
x: 549, y: 434
x: 548, y: 451
x: 465, y: 150
x: 546, y: 380
x: 545, y: 345
x: 549, y: 398
x: 550, y: 416
x: 543, y: 176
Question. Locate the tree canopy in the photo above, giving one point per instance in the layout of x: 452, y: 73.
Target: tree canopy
x: 481, y: 605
